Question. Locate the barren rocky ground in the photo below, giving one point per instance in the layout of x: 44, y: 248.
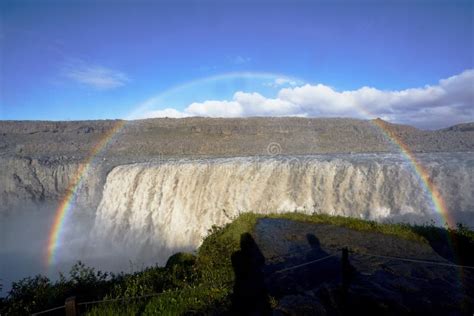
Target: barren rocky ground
x: 381, y: 286
x: 221, y: 137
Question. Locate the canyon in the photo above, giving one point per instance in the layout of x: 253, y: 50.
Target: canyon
x: 152, y: 187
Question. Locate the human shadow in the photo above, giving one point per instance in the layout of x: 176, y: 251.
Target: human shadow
x: 315, y: 246
x: 319, y: 271
x: 250, y: 296
x: 302, y: 270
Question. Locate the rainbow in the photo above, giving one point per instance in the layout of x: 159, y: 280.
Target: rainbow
x: 66, y: 203
x: 435, y: 196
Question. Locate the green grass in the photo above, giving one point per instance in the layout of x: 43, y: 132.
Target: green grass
x: 400, y: 230
x: 203, y: 283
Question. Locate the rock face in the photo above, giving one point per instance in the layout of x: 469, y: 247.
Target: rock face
x: 28, y: 182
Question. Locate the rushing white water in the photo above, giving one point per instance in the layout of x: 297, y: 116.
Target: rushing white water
x: 153, y: 210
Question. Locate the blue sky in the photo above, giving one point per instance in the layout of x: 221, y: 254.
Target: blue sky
x: 123, y: 59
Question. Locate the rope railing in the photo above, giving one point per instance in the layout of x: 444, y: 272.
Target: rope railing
x: 369, y: 255
x: 86, y: 304
x: 118, y: 299
x: 305, y: 264
x: 48, y: 310
x: 415, y: 260
x: 301, y: 250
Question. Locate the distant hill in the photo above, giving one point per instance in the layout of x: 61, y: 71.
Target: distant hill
x: 466, y: 127
x: 142, y: 139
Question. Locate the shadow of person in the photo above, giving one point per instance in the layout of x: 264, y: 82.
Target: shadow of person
x: 313, y: 242
x: 315, y: 251
x: 319, y: 272
x: 250, y: 296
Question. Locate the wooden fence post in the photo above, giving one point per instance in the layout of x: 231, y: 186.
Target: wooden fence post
x: 345, y: 278
x: 346, y: 269
x: 71, y: 306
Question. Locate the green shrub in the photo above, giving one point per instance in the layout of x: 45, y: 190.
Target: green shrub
x: 200, y: 299
x: 34, y: 294
x: 116, y: 309
x: 30, y: 295
x: 181, y: 259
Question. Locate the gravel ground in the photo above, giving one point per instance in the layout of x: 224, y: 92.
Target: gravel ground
x: 379, y: 285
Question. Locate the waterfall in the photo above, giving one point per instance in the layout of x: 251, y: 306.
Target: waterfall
x: 158, y: 208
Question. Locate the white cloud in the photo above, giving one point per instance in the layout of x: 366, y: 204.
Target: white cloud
x: 278, y: 82
x: 168, y: 112
x: 95, y: 76
x: 449, y: 102
x: 217, y: 108
x: 282, y: 81
x: 239, y: 60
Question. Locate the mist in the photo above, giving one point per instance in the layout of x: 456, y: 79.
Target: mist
x: 24, y: 241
